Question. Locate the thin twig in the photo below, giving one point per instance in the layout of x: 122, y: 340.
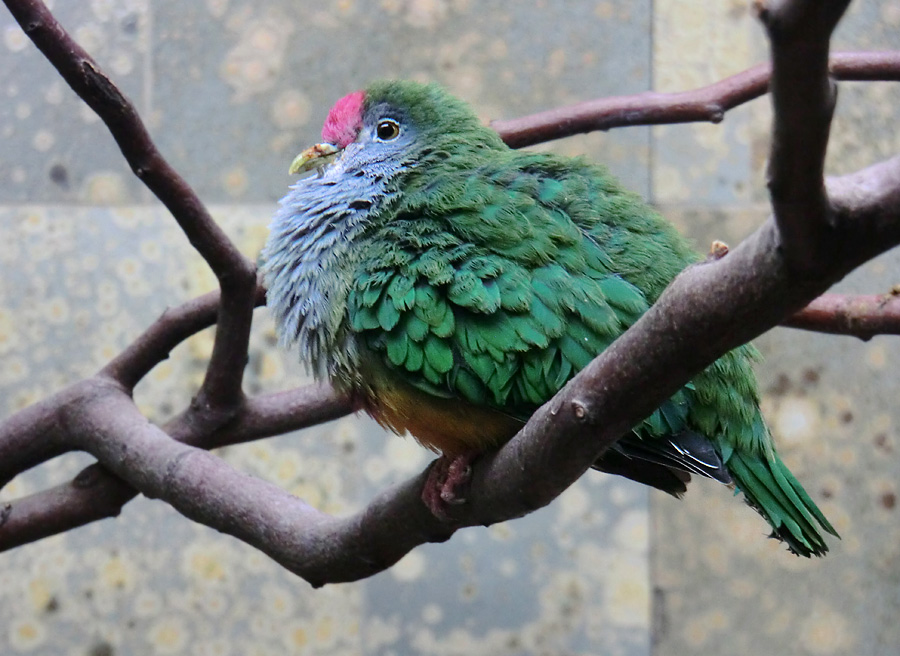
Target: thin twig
x: 707, y: 103
x: 860, y: 316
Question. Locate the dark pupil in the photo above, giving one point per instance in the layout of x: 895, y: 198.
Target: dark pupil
x: 387, y: 130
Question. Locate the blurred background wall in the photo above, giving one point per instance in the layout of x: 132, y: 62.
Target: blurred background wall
x: 231, y: 91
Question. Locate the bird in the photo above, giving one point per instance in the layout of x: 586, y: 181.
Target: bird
x: 452, y: 285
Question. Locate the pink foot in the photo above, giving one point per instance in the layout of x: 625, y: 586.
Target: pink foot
x: 446, y: 483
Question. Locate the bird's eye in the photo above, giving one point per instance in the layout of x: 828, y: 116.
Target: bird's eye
x: 387, y: 129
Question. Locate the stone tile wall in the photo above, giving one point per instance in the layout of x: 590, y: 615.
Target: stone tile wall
x: 231, y: 90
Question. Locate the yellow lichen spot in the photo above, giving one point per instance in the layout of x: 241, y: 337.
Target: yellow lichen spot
x: 716, y: 556
x: 425, y: 14
x: 148, y: 604
x: 278, y: 601
x: 287, y: 468
x: 217, y: 8
x: 43, y: 140
x: 410, y: 567
x: 9, y: 338
x: 39, y: 593
x: 235, y: 181
x: 291, y: 109
x: 205, y: 563
x: 876, y: 356
x: 669, y: 184
x: 604, y: 10
x: 309, y: 492
x: 325, y: 631
x: 122, y: 63
x: 201, y: 345
x: 150, y: 250
x: 299, y: 637
x: 35, y: 221
x: 105, y: 188
x: 498, y: 49
x: 14, y: 38
x: 631, y: 531
x: 57, y: 311
x: 168, y: 636
x: 375, y: 469
x: 432, y: 614
x: 573, y: 504
x: 253, y: 65
x: 797, y: 420
x: 163, y: 371
x: 25, y: 398
x: 116, y: 573
x: 128, y: 268
x: 742, y: 588
x: 778, y: 623
x: 501, y: 532
x: 270, y: 367
x: 405, y: 456
x: 628, y: 592
x: 26, y: 635
x: 826, y: 631
x: 556, y: 62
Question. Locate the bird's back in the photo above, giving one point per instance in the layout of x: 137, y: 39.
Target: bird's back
x: 489, y: 288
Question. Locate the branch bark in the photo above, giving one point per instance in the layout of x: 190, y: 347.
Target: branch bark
x: 860, y: 316
x: 96, y: 493
x: 709, y: 103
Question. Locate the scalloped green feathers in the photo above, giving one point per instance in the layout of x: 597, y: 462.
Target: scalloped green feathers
x: 482, y: 286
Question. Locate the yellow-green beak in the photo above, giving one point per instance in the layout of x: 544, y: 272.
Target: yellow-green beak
x: 313, y: 157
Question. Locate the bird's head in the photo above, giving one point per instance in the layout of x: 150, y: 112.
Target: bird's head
x: 394, y: 121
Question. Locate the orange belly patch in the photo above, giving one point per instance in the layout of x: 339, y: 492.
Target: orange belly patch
x: 449, y: 426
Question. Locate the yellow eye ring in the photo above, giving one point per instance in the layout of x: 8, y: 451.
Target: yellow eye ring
x: 387, y: 129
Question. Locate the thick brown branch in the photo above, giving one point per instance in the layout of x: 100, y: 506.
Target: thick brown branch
x: 97, y: 494
x: 705, y: 104
x: 803, y: 97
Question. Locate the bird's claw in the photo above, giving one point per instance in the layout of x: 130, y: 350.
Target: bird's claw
x: 446, y: 483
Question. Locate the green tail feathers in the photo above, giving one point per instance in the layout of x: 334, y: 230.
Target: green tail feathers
x: 772, y: 490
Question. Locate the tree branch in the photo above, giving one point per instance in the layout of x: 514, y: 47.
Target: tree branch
x: 803, y: 97
x: 707, y: 103
x: 860, y: 316
x: 96, y: 493
x: 173, y: 327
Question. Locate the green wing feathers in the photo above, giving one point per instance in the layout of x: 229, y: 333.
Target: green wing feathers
x: 497, y: 286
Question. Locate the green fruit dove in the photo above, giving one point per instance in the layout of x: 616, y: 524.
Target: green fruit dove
x: 454, y: 285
